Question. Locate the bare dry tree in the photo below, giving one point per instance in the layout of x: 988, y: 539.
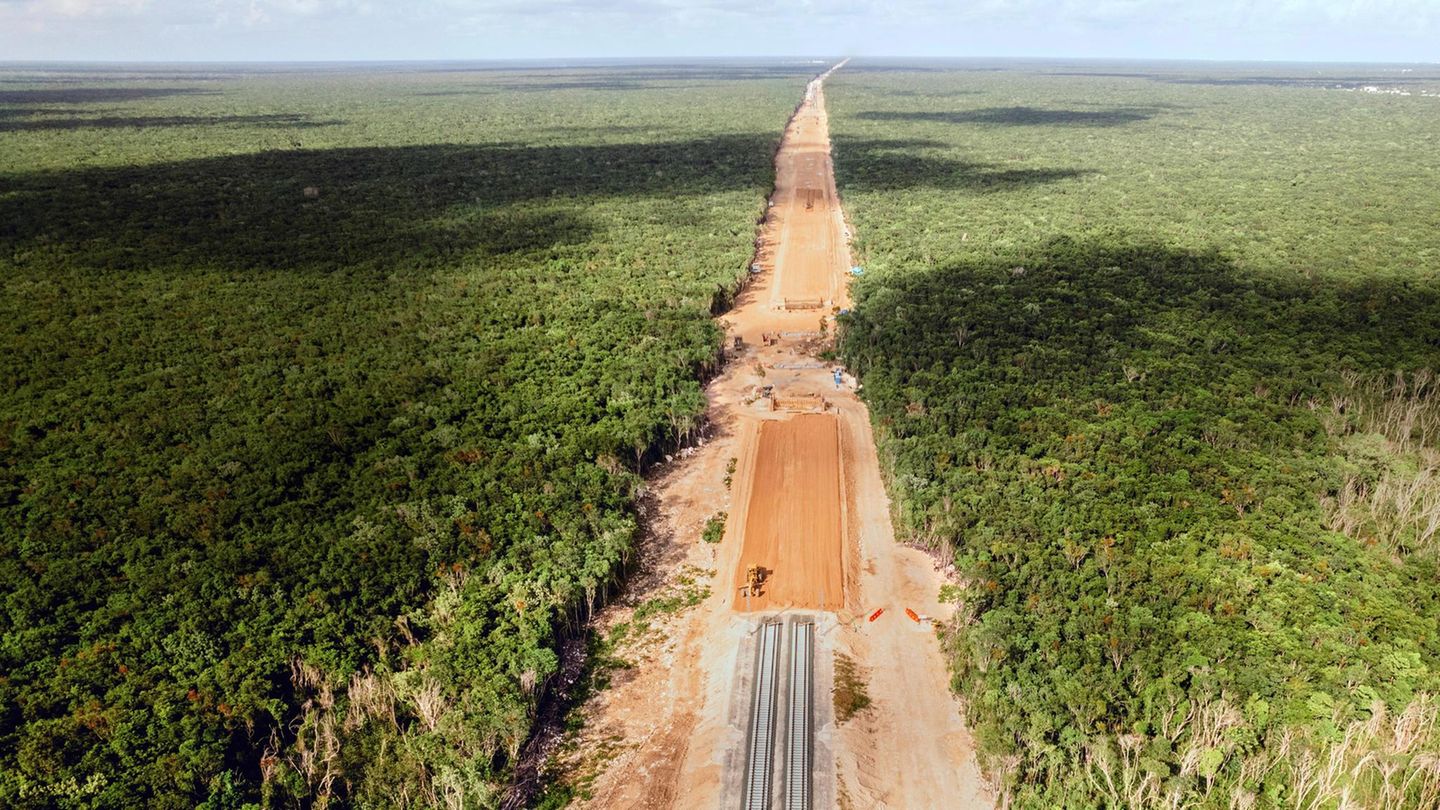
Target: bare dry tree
x: 315, y: 754
x: 1400, y: 511
x: 430, y: 704
x: 371, y: 696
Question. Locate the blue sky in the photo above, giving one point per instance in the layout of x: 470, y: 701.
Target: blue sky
x: 1323, y: 30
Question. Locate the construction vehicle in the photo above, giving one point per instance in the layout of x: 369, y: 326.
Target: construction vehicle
x: 754, y: 578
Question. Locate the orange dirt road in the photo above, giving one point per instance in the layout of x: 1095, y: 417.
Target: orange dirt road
x: 794, y: 521
x: 806, y: 500
x: 811, y: 232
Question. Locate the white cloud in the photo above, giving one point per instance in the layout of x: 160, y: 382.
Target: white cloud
x: 1401, y: 12
x: 63, y: 9
x: 368, y: 28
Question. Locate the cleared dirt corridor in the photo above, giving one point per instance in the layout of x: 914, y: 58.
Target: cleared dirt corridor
x: 792, y: 460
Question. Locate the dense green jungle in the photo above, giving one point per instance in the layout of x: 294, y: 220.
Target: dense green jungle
x: 326, y: 392
x: 1154, y: 366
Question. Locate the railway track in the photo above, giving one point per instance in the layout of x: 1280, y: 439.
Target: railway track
x: 770, y: 653
x: 798, y: 757
x: 762, y: 718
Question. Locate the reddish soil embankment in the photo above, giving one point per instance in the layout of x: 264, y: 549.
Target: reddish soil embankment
x: 794, y: 521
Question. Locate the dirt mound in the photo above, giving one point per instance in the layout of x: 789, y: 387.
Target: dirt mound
x: 805, y: 403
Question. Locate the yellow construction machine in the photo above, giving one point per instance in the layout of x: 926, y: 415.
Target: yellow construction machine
x: 754, y: 578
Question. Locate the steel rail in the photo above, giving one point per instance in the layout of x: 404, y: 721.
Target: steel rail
x: 798, y: 754
x: 762, y: 719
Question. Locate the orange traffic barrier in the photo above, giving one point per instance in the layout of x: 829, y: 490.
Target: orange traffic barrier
x: 876, y: 614
x: 914, y: 617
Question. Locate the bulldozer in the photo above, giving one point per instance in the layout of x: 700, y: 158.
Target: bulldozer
x: 754, y: 578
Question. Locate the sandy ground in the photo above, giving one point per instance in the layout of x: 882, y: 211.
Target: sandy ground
x: 805, y: 216
x: 911, y: 748
x: 793, y: 528
x: 807, y: 494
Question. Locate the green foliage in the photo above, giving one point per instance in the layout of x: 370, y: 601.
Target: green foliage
x: 849, y: 693
x: 689, y: 589
x: 714, y: 528
x: 578, y: 758
x: 1098, y: 358
x: 325, y: 398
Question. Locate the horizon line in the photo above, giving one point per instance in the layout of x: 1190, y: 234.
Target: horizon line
x: 693, y: 58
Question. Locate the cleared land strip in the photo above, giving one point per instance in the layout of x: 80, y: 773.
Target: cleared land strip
x: 912, y: 749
